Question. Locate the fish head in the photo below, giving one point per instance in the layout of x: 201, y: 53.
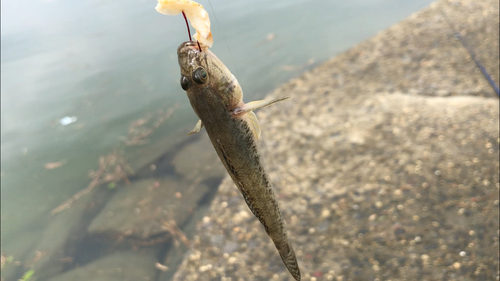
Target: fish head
x: 204, y: 76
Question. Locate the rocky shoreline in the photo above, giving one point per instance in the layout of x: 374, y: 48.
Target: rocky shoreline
x: 385, y: 163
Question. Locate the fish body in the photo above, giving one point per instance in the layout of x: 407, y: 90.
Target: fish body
x: 233, y: 129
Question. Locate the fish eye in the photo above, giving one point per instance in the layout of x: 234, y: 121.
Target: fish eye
x: 185, y: 83
x: 200, y: 76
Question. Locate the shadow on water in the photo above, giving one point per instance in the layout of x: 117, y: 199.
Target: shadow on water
x: 83, y: 247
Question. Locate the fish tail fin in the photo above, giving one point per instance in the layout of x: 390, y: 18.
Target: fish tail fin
x: 288, y: 257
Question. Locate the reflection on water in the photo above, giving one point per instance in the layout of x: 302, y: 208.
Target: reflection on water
x: 106, y: 64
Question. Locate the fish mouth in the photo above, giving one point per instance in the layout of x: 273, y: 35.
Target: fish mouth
x: 189, y: 56
x: 187, y: 45
x: 191, y: 47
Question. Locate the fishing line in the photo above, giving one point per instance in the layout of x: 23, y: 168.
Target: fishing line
x: 472, y: 54
x: 189, y: 31
x: 224, y: 37
x: 238, y: 75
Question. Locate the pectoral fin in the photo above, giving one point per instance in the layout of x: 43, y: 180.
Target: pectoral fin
x: 197, y: 128
x: 251, y: 106
x: 254, y: 124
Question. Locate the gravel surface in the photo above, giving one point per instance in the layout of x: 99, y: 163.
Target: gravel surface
x: 385, y: 163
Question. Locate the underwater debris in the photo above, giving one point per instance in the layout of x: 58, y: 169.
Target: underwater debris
x: 140, y: 129
x: 176, y: 232
x: 68, y: 120
x: 112, y: 168
x: 54, y: 165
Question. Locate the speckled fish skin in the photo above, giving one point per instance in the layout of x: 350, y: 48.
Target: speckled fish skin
x: 234, y: 142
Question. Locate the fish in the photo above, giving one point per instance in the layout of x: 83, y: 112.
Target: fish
x: 234, y: 131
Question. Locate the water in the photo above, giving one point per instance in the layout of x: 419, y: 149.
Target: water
x: 110, y: 62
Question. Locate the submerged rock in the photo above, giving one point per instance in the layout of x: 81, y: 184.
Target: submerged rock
x: 199, y: 158
x: 52, y: 252
x: 140, y: 210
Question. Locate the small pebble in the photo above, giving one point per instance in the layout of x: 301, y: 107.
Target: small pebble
x: 415, y: 217
x: 400, y: 207
x: 456, y: 265
x: 203, y: 268
x: 325, y: 213
x: 435, y: 224
x: 372, y: 217
x: 379, y: 204
x: 463, y: 254
x: 472, y: 233
x: 206, y: 219
x: 244, y: 214
x: 194, y: 257
x: 418, y: 239
x: 161, y: 267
